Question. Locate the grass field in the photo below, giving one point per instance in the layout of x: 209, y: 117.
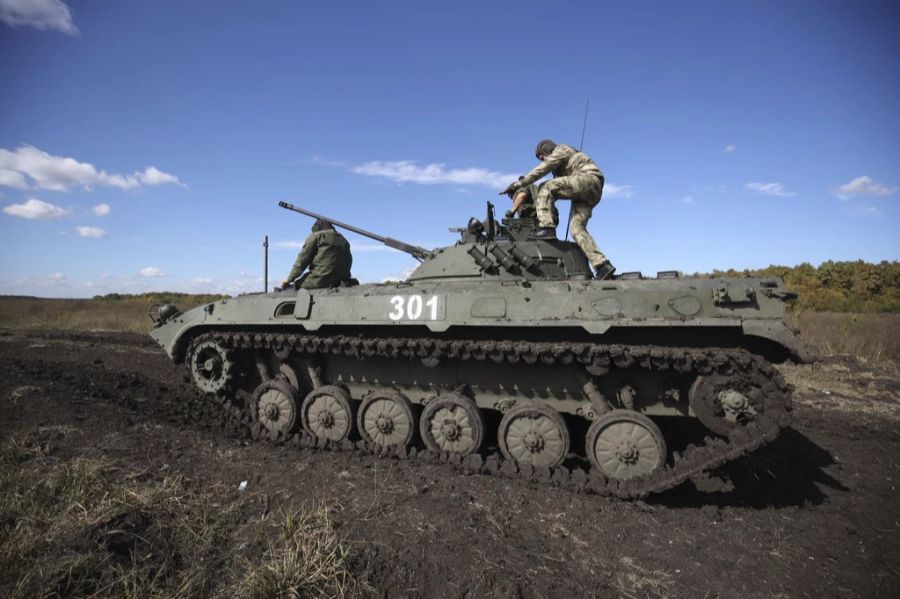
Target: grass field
x: 873, y: 338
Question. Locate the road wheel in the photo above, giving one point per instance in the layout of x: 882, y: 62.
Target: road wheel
x: 534, y: 434
x: 452, y: 423
x: 624, y: 444
x: 385, y: 419
x: 276, y: 406
x: 327, y: 413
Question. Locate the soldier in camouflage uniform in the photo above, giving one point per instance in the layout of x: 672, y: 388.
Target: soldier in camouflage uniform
x: 576, y: 177
x: 326, y: 253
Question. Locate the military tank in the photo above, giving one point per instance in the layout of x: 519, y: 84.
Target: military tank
x: 499, y: 341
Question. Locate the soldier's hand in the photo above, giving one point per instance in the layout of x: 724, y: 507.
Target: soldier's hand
x: 510, y: 189
x: 510, y: 213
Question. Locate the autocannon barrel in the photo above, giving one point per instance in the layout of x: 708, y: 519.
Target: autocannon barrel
x: 416, y: 251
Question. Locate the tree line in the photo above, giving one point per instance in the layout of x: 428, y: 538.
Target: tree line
x: 856, y: 286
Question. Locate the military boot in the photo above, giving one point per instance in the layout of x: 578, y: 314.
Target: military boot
x: 605, y: 271
x: 543, y: 233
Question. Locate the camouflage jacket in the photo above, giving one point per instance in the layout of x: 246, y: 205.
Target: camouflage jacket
x: 563, y: 161
x: 324, y: 252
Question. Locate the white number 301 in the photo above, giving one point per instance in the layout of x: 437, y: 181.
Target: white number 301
x: 413, y: 308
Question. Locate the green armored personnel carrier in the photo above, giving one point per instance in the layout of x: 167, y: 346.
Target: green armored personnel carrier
x: 501, y: 341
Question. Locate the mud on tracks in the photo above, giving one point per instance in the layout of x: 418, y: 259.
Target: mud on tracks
x: 814, y: 514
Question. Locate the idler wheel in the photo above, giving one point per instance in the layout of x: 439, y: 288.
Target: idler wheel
x: 210, y: 366
x: 276, y: 406
x: 385, y: 419
x: 452, y: 423
x: 327, y: 413
x: 624, y: 444
x: 534, y: 434
x: 722, y: 402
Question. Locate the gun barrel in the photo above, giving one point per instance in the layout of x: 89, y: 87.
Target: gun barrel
x: 417, y: 252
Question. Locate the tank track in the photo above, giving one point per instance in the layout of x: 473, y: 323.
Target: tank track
x: 695, y: 460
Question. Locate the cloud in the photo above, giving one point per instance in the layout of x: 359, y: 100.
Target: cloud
x: 59, y: 173
x: 730, y: 148
x: 611, y: 190
x: 58, y: 276
x: 152, y: 271
x: 92, y: 232
x: 407, y: 171
x: 101, y: 209
x: 288, y: 245
x: 40, y: 14
x: 688, y: 200
x: 863, y: 186
x: 201, y: 280
x: 769, y: 189
x: 35, y: 209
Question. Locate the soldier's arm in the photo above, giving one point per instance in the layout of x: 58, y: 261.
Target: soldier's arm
x: 518, y: 201
x: 556, y: 158
x: 305, y: 257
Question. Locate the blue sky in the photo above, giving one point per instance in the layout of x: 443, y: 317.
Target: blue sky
x: 145, y: 145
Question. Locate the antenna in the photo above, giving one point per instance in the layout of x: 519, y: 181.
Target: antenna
x: 581, y: 145
x: 584, y: 123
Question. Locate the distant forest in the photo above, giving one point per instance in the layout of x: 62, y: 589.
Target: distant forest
x: 835, y: 286
x: 830, y: 287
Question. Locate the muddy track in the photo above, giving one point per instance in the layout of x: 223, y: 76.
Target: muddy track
x: 695, y: 460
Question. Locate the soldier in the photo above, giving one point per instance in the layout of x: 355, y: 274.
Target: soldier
x: 576, y: 177
x: 326, y: 253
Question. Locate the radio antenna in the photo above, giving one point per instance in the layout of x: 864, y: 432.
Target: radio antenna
x: 584, y: 123
x: 581, y: 145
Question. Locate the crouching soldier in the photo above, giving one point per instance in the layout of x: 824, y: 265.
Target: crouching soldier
x: 326, y: 253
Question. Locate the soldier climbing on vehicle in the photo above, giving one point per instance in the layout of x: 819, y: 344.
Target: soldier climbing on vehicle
x: 326, y: 253
x: 577, y: 178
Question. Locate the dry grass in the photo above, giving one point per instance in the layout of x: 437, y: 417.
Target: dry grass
x: 85, y: 527
x: 128, y: 314
x: 873, y: 338
x: 307, y: 559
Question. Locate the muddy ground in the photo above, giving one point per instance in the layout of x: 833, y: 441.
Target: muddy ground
x: 815, y: 514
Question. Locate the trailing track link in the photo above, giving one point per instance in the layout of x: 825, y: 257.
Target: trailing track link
x: 715, y: 451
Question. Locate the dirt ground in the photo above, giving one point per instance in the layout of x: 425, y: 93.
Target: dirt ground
x: 813, y: 515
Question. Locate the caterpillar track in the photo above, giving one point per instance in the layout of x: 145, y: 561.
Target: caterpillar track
x: 757, y: 378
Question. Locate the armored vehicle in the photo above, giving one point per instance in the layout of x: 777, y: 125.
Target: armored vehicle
x: 501, y: 341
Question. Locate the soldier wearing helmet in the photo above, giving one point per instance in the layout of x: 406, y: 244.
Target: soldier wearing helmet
x: 326, y: 253
x: 575, y: 177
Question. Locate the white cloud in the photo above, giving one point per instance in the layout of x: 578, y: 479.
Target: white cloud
x: 40, y: 14
x: 863, y: 186
x: 36, y: 210
x: 59, y: 173
x: 152, y: 271
x: 611, y: 190
x: 93, y: 232
x: 288, y: 245
x: 769, y: 189
x: 101, y: 209
x: 730, y: 148
x: 58, y: 276
x: 407, y: 171
x: 154, y: 176
x: 10, y: 178
x: 687, y: 200
x: 201, y: 280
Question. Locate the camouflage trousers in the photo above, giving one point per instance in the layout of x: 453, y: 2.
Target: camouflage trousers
x: 584, y: 191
